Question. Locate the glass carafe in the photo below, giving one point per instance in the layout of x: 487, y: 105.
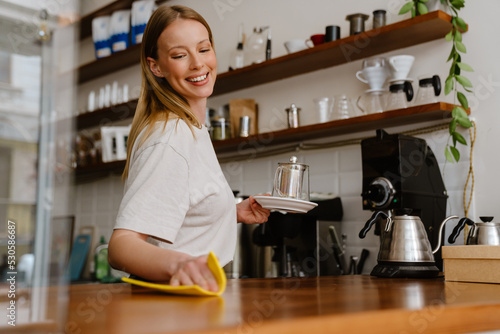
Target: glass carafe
x: 429, y: 89
x: 400, y: 95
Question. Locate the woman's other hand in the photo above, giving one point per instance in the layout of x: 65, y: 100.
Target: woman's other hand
x: 193, y: 271
x: 251, y: 212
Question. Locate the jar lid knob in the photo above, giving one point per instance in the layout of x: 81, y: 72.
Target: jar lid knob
x: 293, y: 159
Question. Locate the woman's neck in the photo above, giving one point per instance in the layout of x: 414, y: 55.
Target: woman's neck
x: 199, y: 108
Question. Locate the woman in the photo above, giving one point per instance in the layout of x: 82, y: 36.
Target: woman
x: 177, y: 205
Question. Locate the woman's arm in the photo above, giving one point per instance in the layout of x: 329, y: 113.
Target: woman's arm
x: 130, y: 252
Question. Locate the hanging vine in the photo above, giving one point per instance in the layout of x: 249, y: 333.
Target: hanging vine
x: 456, y: 82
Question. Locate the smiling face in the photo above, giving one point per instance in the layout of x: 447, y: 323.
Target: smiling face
x: 186, y: 59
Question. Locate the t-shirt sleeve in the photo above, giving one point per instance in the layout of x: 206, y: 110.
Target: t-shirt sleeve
x: 156, y: 197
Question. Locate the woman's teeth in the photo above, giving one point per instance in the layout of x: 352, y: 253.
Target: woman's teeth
x: 203, y: 77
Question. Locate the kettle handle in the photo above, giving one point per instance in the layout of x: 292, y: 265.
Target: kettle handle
x: 370, y: 223
x: 456, y: 231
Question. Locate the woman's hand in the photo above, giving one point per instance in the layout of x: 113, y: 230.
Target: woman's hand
x: 194, y: 270
x: 251, y: 212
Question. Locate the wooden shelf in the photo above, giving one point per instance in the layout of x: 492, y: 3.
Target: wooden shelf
x: 423, y: 28
x: 420, y: 29
x: 104, y: 116
x: 102, y: 66
x: 417, y: 114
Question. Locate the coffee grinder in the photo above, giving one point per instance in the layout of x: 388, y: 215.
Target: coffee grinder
x: 401, y: 172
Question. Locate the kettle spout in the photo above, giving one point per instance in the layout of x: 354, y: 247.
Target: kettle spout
x: 440, y: 235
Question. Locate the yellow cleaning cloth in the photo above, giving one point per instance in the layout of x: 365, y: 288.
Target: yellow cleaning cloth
x: 190, y: 290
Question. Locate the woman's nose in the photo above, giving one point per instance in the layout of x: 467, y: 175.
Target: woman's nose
x: 196, y: 62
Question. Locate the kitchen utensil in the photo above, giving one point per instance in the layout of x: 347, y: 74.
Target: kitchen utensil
x: 400, y: 66
x: 338, y: 250
x: 317, y: 39
x: 293, y: 116
x: 255, y: 46
x: 291, y: 180
x: 374, y: 62
x: 485, y: 233
x: 323, y: 106
x: 362, y: 259
x: 332, y: 33
x: 372, y: 101
x: 343, y: 108
x: 357, y: 23
x: 374, y: 76
x: 405, y: 250
x: 221, y: 129
x: 244, y: 126
x: 296, y: 45
x: 400, y: 95
x: 378, y: 18
x: 290, y: 205
x: 429, y: 89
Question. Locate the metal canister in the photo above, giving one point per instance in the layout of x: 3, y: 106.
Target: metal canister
x: 293, y: 116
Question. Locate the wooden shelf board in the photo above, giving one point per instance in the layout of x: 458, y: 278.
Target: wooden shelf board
x: 423, y: 28
x: 115, y: 62
x: 391, y: 118
x: 104, y: 116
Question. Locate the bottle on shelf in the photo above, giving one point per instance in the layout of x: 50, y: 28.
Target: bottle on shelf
x: 238, y: 55
x: 102, y: 269
x: 255, y: 49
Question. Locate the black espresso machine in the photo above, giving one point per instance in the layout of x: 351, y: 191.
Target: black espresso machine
x: 401, y: 172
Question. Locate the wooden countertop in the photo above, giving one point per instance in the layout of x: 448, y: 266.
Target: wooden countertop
x: 337, y: 304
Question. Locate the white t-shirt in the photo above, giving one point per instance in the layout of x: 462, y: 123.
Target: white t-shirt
x: 177, y: 194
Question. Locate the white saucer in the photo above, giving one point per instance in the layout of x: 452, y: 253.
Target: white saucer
x: 289, y: 205
x: 400, y: 80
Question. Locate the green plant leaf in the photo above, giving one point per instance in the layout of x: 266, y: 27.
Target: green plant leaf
x: 457, y: 37
x: 457, y: 3
x: 455, y: 152
x: 452, y: 126
x: 413, y: 12
x: 463, y: 100
x: 465, y: 122
x: 449, y: 36
x: 458, y: 137
x: 461, y: 47
x: 463, y: 81
x: 448, y: 85
x: 461, y: 23
x: 422, y: 8
x: 448, y: 155
x: 452, y: 55
x: 465, y: 67
x: 424, y: 1
x: 406, y: 8
x: 458, y: 112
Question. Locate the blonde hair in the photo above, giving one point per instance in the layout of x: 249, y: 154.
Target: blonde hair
x: 157, y: 98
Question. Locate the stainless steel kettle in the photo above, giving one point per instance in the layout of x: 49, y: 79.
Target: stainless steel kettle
x: 485, y: 233
x: 405, y: 250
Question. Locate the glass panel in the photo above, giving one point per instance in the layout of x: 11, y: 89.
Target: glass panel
x: 36, y: 101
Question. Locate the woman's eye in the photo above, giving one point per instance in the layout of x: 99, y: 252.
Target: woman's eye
x: 205, y: 50
x: 177, y: 56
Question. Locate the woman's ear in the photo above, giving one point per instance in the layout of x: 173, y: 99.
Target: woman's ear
x: 153, y: 66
